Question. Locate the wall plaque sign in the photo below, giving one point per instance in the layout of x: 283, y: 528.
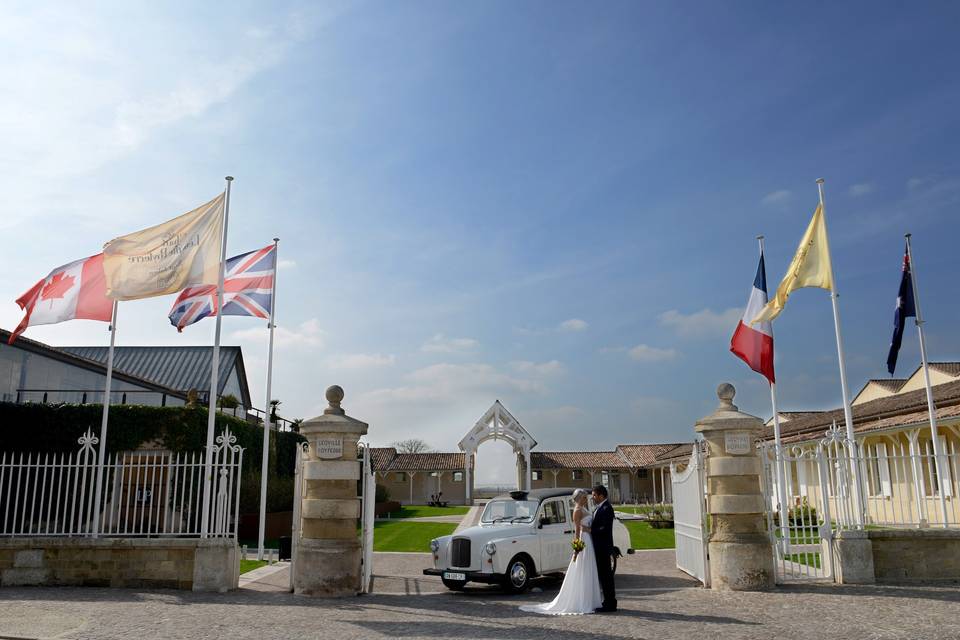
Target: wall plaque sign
x: 329, y: 448
x: 737, y: 442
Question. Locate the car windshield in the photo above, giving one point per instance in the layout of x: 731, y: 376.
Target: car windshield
x: 509, y: 511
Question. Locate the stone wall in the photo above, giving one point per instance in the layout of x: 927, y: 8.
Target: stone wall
x: 915, y: 555
x: 196, y: 565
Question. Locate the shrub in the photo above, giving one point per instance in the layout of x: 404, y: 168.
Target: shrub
x: 382, y: 495
x: 53, y: 428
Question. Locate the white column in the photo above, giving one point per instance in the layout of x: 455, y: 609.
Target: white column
x: 653, y: 481
x: 410, y: 475
x: 921, y: 494
x: 555, y: 472
x: 526, y: 461
x: 467, y: 488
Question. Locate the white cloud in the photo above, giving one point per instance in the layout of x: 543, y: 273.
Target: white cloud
x: 307, y: 334
x: 916, y: 183
x: 860, y: 189
x: 705, y: 322
x: 776, y: 197
x: 124, y: 87
x: 442, y: 344
x: 573, y: 324
x: 646, y: 353
x: 447, y: 383
x: 286, y: 264
x: 361, y: 361
x: 551, y: 368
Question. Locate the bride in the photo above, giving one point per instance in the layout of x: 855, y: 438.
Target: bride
x: 580, y: 592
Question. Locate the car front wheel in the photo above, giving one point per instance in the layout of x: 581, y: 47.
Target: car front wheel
x: 519, y: 573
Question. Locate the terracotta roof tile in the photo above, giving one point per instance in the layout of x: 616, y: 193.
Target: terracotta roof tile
x: 640, y: 455
x: 890, y: 384
x: 890, y: 411
x: 577, y: 460
x: 381, y: 457
x: 428, y: 462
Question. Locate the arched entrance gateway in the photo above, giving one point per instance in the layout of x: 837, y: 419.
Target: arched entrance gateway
x: 498, y: 424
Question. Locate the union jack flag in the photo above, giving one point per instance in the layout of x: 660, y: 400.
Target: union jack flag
x: 247, y: 290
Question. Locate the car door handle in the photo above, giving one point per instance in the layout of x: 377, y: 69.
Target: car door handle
x: 569, y: 531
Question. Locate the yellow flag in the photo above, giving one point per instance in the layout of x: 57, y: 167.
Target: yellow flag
x: 810, y: 267
x: 166, y: 258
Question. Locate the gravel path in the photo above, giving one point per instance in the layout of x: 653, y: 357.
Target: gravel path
x: 657, y: 602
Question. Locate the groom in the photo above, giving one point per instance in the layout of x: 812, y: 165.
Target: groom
x: 601, y: 532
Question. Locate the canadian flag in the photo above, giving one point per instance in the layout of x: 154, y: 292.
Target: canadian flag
x: 74, y: 291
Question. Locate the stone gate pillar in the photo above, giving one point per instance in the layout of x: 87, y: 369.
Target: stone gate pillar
x: 328, y: 551
x: 741, y: 558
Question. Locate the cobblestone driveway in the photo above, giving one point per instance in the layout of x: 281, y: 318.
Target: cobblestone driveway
x: 656, y: 602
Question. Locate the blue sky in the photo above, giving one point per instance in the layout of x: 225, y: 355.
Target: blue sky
x: 553, y: 204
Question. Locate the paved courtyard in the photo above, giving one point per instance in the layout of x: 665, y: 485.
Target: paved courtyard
x: 657, y: 602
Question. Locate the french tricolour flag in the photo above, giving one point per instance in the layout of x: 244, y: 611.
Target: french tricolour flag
x: 754, y: 343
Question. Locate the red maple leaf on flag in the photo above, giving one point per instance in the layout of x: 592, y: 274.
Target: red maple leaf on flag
x: 59, y: 284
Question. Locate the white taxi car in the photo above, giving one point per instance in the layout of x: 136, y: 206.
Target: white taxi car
x: 521, y: 535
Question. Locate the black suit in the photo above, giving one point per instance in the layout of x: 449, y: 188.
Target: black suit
x: 601, y: 532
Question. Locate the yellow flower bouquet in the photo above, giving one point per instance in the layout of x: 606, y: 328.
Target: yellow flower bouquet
x: 578, y: 546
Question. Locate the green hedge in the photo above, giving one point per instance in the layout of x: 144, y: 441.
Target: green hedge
x: 56, y: 428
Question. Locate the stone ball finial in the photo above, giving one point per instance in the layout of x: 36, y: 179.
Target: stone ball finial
x: 726, y: 393
x: 334, y: 397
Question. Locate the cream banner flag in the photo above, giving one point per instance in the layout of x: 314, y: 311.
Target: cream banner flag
x: 810, y: 267
x: 166, y: 258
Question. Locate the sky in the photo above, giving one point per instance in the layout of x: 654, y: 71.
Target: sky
x: 553, y: 204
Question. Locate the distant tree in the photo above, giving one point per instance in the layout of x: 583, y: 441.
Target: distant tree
x: 412, y: 445
x: 229, y: 401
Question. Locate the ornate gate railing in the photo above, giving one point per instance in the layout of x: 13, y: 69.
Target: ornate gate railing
x: 802, y: 544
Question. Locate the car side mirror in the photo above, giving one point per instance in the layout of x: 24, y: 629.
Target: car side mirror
x: 543, y: 520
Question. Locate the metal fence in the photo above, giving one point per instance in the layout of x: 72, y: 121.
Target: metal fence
x: 147, y: 493
x: 893, y: 480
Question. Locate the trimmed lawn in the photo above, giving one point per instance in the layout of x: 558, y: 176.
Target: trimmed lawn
x: 636, y: 510
x: 250, y: 565
x: 252, y: 543
x: 643, y: 536
x: 408, y: 536
x: 419, y: 511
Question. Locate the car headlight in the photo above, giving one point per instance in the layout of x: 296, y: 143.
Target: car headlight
x: 490, y: 548
x: 434, y: 545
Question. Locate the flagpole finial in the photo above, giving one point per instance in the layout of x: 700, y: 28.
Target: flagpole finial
x: 820, y: 181
x: 276, y: 239
x: 229, y: 178
x: 907, y: 235
x: 760, y: 237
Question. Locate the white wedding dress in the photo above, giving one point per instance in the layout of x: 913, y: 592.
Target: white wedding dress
x: 580, y: 592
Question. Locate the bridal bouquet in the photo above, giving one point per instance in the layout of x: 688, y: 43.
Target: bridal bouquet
x: 578, y: 546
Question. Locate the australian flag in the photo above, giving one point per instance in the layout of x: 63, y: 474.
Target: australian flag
x: 906, y: 308
x: 247, y: 290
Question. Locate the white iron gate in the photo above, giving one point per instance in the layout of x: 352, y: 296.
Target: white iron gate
x: 369, y: 488
x: 801, y: 534
x: 689, y: 514
x: 302, y: 449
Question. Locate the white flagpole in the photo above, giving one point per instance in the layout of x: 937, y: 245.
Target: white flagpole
x: 102, y: 450
x: 214, y: 372
x: 266, y: 420
x: 931, y: 408
x: 781, y: 483
x: 847, y: 411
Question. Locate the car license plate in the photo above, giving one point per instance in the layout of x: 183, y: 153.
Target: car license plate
x: 450, y: 575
